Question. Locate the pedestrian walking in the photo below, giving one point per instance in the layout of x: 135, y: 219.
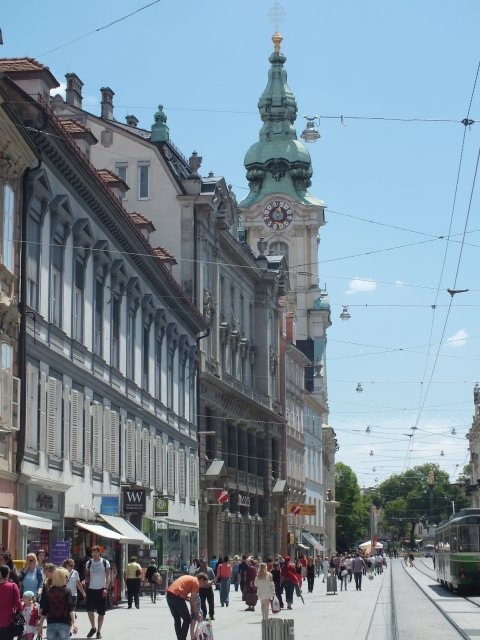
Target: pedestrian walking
x: 224, y: 575
x: 57, y: 608
x: 411, y: 558
x: 318, y: 566
x: 74, y: 584
x: 31, y: 576
x: 193, y: 565
x: 132, y: 575
x: 265, y: 589
x: 325, y: 567
x: 310, y: 574
x: 358, y: 567
x: 277, y: 581
x: 152, y: 569
x: 235, y: 572
x: 206, y: 590
x: 97, y: 580
x: 242, y: 571
x: 289, y: 580
x: 251, y: 597
x: 343, y: 574
x: 10, y: 603
x: 183, y: 588
x: 31, y: 614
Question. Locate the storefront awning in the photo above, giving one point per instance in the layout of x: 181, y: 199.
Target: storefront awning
x: 313, y: 541
x: 129, y: 533
x: 302, y: 546
x: 27, y: 520
x: 98, y: 530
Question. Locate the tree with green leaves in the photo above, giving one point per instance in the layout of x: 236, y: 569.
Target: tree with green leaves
x: 422, y: 494
x: 353, y: 512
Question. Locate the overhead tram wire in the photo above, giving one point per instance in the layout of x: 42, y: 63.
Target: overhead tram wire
x: 467, y: 217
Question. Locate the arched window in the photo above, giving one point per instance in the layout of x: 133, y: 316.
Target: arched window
x: 278, y: 249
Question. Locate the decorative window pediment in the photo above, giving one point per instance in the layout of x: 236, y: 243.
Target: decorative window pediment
x: 61, y: 213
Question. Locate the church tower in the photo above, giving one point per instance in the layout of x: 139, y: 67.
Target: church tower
x: 280, y: 211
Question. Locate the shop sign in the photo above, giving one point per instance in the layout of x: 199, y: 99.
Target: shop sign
x: 59, y: 551
x: 243, y: 501
x: 134, y: 500
x: 302, y: 509
x: 160, y: 506
x: 110, y: 505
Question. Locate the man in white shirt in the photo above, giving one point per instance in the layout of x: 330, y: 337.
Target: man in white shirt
x: 98, y: 584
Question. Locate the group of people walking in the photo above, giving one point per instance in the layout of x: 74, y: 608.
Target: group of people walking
x: 42, y: 592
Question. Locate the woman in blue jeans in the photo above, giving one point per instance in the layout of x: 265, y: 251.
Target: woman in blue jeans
x: 58, y: 608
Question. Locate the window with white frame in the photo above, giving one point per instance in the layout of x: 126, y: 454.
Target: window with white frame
x: 131, y: 320
x: 33, y: 260
x: 8, y: 225
x: 116, y: 308
x: 158, y: 366
x: 56, y: 283
x: 78, y: 299
x: 98, y: 314
x: 143, y: 180
x: 146, y: 356
x: 6, y: 356
x: 121, y: 169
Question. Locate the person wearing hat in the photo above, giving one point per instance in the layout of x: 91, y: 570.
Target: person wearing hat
x: 289, y: 580
x: 30, y: 613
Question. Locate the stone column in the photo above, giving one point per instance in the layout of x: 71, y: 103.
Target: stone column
x: 252, y: 450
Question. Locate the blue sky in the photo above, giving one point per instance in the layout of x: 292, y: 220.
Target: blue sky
x: 206, y: 62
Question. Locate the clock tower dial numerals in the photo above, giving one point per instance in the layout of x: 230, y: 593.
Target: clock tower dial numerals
x: 277, y: 215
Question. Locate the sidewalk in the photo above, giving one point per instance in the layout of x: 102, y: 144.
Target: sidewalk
x: 344, y: 615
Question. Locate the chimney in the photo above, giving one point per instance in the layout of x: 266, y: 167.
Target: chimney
x: 107, y: 103
x: 73, y: 92
x: 132, y: 121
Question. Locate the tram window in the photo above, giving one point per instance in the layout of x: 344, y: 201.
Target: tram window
x: 454, y: 539
x: 468, y: 538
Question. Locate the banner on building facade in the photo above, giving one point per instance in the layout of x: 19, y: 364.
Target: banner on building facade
x: 302, y: 509
x: 160, y: 506
x: 134, y: 500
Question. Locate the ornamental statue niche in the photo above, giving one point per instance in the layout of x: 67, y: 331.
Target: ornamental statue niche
x: 208, y: 306
x: 273, y: 357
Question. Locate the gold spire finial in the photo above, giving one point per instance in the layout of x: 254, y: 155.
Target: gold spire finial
x: 276, y: 14
x: 277, y: 41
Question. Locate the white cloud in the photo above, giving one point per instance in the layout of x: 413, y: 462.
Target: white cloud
x: 399, y: 283
x: 357, y: 285
x: 458, y: 339
x: 61, y: 90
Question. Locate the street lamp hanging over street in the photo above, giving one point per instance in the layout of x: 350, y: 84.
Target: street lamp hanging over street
x: 359, y: 388
x: 345, y: 315
x: 310, y: 133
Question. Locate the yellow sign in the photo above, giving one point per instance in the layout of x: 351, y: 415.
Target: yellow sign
x: 302, y: 509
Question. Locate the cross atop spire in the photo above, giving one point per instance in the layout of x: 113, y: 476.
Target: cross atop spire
x: 276, y: 14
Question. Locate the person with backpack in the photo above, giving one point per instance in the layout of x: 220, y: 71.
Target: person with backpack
x: 97, y: 581
x: 151, y: 577
x: 31, y: 576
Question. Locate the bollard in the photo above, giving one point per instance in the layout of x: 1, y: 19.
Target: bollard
x: 278, y: 629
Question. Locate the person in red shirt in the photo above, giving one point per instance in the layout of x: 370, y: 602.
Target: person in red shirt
x: 183, y: 589
x: 289, y: 580
x: 9, y: 603
x: 224, y: 576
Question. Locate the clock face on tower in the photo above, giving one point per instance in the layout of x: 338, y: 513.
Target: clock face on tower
x: 277, y: 215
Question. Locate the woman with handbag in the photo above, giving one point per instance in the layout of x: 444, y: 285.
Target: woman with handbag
x: 133, y: 574
x: 10, y: 607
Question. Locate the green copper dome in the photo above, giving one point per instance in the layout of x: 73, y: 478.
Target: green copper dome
x: 278, y: 162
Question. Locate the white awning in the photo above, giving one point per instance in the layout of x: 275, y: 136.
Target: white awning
x: 98, y: 530
x: 302, y: 546
x: 27, y: 519
x: 130, y: 533
x: 312, y: 540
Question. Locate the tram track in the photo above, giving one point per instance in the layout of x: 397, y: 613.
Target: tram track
x: 446, y: 615
x: 434, y: 577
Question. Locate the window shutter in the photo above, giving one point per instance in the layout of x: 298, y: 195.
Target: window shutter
x: 197, y: 479
x: 77, y: 400
x: 97, y: 435
x: 181, y: 474
x: 138, y: 456
x: 191, y: 477
x: 32, y: 408
x: 114, y: 440
x: 145, y: 457
x: 87, y: 432
x: 130, y: 450
x: 152, y: 459
x: 43, y: 412
x: 107, y: 439
x: 165, y: 466
x: 6, y: 398
x: 171, y: 469
x: 66, y: 423
x: 52, y: 415
x: 158, y: 464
